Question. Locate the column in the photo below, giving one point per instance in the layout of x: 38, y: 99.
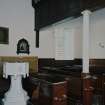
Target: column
x: 86, y: 40
x: 87, y: 80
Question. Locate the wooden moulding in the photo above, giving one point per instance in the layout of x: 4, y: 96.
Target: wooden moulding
x: 33, y: 61
x: 97, y: 62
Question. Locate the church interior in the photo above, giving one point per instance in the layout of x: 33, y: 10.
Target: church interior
x: 52, y: 52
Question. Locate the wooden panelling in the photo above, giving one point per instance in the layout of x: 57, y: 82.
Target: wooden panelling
x: 99, y: 88
x: 97, y: 66
x: 48, y: 12
x: 51, y: 11
x: 53, y: 93
x: 93, y: 4
x: 51, y: 62
x: 97, y: 62
x: 87, y: 89
x: 33, y: 61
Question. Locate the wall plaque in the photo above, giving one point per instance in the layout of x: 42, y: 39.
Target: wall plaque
x: 23, y: 46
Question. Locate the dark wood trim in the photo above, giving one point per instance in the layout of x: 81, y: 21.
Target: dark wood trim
x: 37, y: 38
x: 51, y: 11
x: 57, y: 63
x: 97, y: 66
x: 97, y: 62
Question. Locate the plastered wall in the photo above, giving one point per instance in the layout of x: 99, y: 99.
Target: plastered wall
x: 18, y: 16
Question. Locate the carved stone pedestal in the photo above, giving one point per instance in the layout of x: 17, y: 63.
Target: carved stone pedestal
x: 16, y: 95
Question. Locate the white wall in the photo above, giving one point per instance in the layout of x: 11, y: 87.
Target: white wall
x: 97, y: 34
x: 46, y: 43
x: 18, y: 15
